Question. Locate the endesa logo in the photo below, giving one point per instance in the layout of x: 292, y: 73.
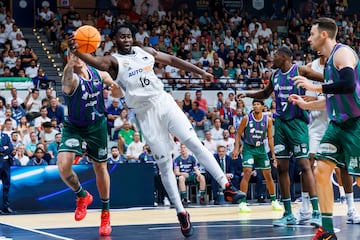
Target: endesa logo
x: 140, y: 70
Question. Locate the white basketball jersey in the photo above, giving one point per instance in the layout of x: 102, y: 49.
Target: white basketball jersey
x: 318, y: 118
x: 137, y: 78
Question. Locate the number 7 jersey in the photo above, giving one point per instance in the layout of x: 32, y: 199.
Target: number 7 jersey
x: 137, y: 78
x: 284, y: 86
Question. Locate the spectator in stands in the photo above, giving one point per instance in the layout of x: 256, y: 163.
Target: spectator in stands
x: 47, y: 156
x: 77, y: 22
x: 226, y: 115
x: 15, y: 140
x: 14, y: 31
x: 119, y: 122
x: 31, y: 146
x: 8, y: 22
x: 203, y: 104
x: 20, y: 155
x: 187, y: 103
x: 22, y: 128
x: 227, y: 142
x: 113, y: 112
x: 55, y: 110
x: 134, y: 149
x: 125, y: 137
x: 47, y: 134
x: 42, y: 81
x: 37, y: 158
x: 238, y: 117
x: 7, y: 127
x: 38, y: 121
x: 187, y: 172
x: 45, y: 17
x: 15, y: 70
x: 205, y: 60
x: 100, y: 51
x: 209, y: 143
x: 27, y: 57
x: 32, y: 70
x: 227, y: 165
x: 17, y: 111
x: 8, y: 115
x: 2, y: 110
x: 115, y: 156
x: 199, y: 120
x: 140, y: 35
x: 3, y: 36
x: 53, y: 147
x: 6, y: 72
x: 13, y: 96
x: 10, y: 59
x: 196, y: 52
x: 18, y: 44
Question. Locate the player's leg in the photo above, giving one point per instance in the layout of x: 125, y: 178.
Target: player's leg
x: 270, y: 186
x: 202, y: 188
x: 179, y: 125
x: 96, y: 139
x: 244, y: 185
x: 347, y: 180
x: 339, y: 178
x: 182, y: 189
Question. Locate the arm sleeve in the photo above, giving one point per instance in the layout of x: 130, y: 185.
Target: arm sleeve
x: 344, y: 86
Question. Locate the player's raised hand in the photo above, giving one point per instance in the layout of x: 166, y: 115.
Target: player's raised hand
x: 297, y: 100
x: 72, y: 44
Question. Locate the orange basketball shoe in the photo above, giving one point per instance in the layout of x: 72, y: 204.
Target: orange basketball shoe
x: 81, y: 206
x: 105, y: 227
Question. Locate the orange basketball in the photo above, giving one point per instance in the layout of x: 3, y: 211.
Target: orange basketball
x: 87, y: 38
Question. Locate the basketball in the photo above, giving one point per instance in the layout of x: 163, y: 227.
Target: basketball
x: 87, y: 38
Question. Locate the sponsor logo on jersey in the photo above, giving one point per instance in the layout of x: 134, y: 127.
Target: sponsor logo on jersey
x: 327, y: 148
x: 279, y: 148
x: 140, y: 70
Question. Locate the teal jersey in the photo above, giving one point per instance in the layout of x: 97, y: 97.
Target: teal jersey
x: 86, y: 104
x: 284, y: 86
x: 256, y: 130
x: 341, y: 107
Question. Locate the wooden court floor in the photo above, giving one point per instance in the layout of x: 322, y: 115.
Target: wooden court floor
x: 210, y: 222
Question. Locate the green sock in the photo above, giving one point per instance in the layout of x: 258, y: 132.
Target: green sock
x: 105, y: 204
x: 314, y: 202
x: 287, y: 206
x: 243, y: 200
x: 183, y: 195
x: 202, y: 193
x: 327, y: 222
x: 80, y: 192
x: 273, y: 197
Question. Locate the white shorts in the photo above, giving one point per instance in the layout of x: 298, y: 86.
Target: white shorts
x: 157, y: 119
x: 314, y: 141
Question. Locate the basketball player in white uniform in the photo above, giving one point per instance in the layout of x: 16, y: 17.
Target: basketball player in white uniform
x: 317, y: 126
x: 157, y: 112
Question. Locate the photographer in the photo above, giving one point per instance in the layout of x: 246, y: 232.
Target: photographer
x: 6, y: 149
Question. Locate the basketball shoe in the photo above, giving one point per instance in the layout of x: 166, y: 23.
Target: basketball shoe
x: 276, y: 206
x: 316, y: 219
x: 321, y: 234
x: 352, y: 217
x: 244, y: 208
x: 287, y: 219
x: 105, y: 227
x: 303, y: 217
x: 186, y: 227
x: 81, y: 206
x: 231, y: 194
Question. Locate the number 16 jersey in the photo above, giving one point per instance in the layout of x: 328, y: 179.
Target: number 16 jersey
x: 137, y: 78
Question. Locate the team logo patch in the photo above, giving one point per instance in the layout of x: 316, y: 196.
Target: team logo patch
x: 72, y: 142
x: 279, y: 148
x: 250, y: 161
x: 102, y: 152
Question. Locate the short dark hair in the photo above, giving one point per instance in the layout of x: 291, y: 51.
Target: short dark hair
x: 285, y: 50
x: 328, y: 25
x: 258, y: 101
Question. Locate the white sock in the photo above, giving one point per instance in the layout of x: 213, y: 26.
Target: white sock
x: 206, y: 159
x: 341, y: 191
x: 350, y: 200
x: 170, y: 184
x: 305, y: 204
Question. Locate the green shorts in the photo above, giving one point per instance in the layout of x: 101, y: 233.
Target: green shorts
x: 291, y: 138
x: 255, y: 157
x: 340, y: 144
x: 191, y: 179
x: 94, y: 135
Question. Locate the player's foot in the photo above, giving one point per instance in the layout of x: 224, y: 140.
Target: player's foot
x: 231, y: 194
x: 342, y: 199
x: 303, y: 217
x: 244, y: 208
x: 352, y: 217
x: 166, y: 202
x: 316, y: 219
x: 276, y: 206
x: 321, y: 234
x: 287, y: 219
x: 185, y: 202
x: 81, y: 206
x: 105, y: 227
x: 202, y: 200
x: 186, y: 227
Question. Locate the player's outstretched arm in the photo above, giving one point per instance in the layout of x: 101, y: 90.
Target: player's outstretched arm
x: 115, y: 89
x: 319, y: 104
x: 177, y: 62
x: 262, y: 94
x: 311, y: 74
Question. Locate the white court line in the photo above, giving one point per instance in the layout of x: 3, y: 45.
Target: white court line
x: 251, y: 225
x: 39, y: 232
